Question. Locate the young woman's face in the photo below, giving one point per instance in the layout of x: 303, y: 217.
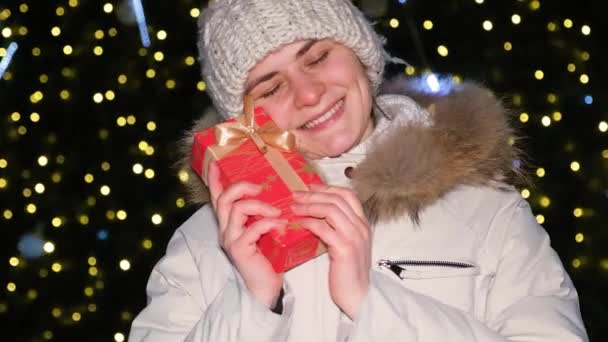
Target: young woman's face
x: 319, y: 91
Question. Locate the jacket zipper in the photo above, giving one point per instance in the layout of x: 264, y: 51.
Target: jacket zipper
x: 398, y: 266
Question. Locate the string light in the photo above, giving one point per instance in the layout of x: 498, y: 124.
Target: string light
x: 84, y: 138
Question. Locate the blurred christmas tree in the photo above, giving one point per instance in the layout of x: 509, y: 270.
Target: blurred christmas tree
x: 94, y: 95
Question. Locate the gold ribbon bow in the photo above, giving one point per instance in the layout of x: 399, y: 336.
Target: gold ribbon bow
x: 229, y: 136
x: 236, y: 133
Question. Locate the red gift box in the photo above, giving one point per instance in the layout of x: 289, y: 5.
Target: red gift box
x: 251, y: 148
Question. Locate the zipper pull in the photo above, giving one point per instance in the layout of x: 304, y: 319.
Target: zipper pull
x: 392, y: 266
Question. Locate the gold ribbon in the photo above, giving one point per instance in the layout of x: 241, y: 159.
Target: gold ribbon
x: 236, y: 133
x: 229, y: 136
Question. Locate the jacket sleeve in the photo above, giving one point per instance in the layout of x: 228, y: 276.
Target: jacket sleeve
x: 531, y: 299
x: 200, y: 301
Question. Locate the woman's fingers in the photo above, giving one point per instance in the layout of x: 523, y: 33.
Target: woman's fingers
x: 240, y: 213
x: 332, y: 199
x: 321, y: 229
x: 346, y: 194
x: 246, y: 242
x: 230, y: 196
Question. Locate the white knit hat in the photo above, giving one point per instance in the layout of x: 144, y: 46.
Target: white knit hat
x: 236, y: 34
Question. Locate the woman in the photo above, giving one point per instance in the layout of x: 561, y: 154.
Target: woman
x: 426, y: 241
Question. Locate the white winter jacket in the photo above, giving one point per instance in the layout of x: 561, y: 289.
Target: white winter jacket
x: 460, y: 258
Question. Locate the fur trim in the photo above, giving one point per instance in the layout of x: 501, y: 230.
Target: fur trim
x: 197, y: 191
x: 469, y: 143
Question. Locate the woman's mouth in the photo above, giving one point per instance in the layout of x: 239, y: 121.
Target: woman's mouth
x: 325, y: 118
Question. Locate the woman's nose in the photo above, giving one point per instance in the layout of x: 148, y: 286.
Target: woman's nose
x: 308, y: 91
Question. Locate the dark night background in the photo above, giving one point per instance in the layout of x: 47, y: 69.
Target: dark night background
x: 89, y: 119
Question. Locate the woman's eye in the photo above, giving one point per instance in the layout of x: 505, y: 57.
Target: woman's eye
x: 320, y: 59
x: 271, y: 92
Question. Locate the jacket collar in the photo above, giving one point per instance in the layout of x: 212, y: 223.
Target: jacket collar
x: 462, y: 138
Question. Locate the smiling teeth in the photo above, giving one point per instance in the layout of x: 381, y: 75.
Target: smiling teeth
x: 324, y: 117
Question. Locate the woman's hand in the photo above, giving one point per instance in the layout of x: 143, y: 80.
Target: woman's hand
x: 336, y: 216
x: 239, y: 242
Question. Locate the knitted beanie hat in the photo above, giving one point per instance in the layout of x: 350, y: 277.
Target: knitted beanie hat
x: 234, y: 35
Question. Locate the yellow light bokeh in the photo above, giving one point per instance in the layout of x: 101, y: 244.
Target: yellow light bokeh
x: 201, y: 85
x: 579, y: 237
x: 31, y: 208
x: 151, y: 126
x: 557, y: 116
x: 442, y: 51
x: 98, y: 97
x: 195, y: 12
x: 39, y: 188
x: 524, y: 117
x: 138, y: 169
x: 121, y: 215
x: 159, y: 56
x: 105, y: 190
x: 544, y: 202
x: 149, y: 173
x: 125, y: 265
x: 541, y: 172
x: 7, y: 214
x: 487, y: 25
x: 14, y: 261
x: 540, y: 219
x: 157, y: 219
x: 146, y: 244
x: 56, y: 222
x: 56, y: 267
x: 92, y: 261
x: 546, y: 121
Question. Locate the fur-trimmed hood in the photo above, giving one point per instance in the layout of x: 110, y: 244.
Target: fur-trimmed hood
x: 469, y: 142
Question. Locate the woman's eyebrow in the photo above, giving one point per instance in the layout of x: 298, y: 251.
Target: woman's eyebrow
x: 305, y: 48
x: 301, y: 52
x: 259, y: 80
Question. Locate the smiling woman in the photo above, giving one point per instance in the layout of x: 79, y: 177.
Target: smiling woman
x: 426, y: 238
x: 319, y: 91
